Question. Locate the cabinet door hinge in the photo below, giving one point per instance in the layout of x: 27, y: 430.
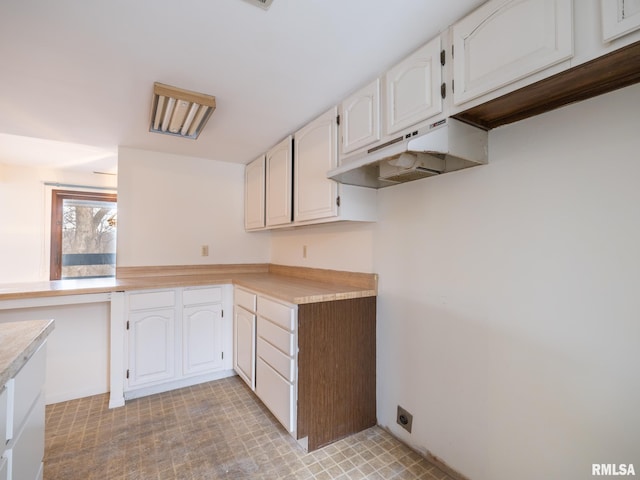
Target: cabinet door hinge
x: 127, y: 373
x: 443, y: 90
x: 338, y: 200
x: 127, y: 324
x: 442, y: 58
x: 338, y: 119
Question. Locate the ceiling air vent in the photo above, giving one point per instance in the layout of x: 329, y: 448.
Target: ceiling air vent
x: 265, y: 4
x: 179, y: 112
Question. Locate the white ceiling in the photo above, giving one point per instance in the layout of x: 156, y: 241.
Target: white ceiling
x: 76, y: 76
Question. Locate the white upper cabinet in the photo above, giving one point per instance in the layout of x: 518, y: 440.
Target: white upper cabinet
x: 254, y: 184
x: 315, y: 154
x: 360, y: 118
x: 506, y: 40
x: 619, y: 17
x: 412, y: 88
x: 278, y: 183
x: 317, y: 198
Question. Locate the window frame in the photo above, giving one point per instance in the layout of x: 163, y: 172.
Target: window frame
x: 57, y: 202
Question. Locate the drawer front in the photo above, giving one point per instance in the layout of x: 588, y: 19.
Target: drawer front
x: 143, y: 301
x: 4, y: 467
x: 28, y: 384
x: 28, y: 450
x: 245, y: 299
x: 193, y: 296
x: 276, y: 393
x: 276, y: 336
x: 282, y: 363
x: 283, y: 315
x: 3, y: 417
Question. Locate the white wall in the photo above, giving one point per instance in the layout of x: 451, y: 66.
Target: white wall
x: 509, y: 314
x: 340, y: 246
x: 77, y: 348
x: 171, y: 205
x: 25, y: 218
x: 508, y: 308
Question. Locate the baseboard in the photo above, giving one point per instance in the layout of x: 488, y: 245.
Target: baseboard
x: 184, y: 382
x: 429, y: 457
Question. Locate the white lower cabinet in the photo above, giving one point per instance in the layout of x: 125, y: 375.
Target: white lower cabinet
x: 23, y: 420
x: 202, y: 339
x: 266, y: 348
x: 244, y: 339
x: 176, y: 337
x: 151, y: 346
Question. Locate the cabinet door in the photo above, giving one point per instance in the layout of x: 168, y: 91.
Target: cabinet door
x: 254, y: 184
x: 279, y: 183
x: 412, y: 88
x: 202, y: 339
x: 316, y: 152
x: 506, y: 40
x: 360, y: 118
x: 619, y: 17
x: 244, y: 346
x: 151, y: 346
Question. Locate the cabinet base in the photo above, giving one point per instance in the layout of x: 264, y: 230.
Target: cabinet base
x: 165, y: 387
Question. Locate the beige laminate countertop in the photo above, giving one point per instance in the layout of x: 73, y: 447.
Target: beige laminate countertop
x: 18, y: 341
x: 290, y: 284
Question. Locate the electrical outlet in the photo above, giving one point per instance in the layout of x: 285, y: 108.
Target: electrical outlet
x: 304, y: 251
x: 404, y: 419
x: 204, y: 250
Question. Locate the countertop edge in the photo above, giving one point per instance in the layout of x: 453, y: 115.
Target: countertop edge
x: 20, y: 359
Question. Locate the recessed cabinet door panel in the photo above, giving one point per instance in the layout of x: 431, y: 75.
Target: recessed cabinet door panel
x: 152, y: 346
x: 202, y: 338
x: 619, y: 17
x: 360, y: 118
x: 244, y: 343
x: 254, y: 185
x: 316, y: 152
x: 279, y: 182
x: 413, y: 88
x: 504, y: 41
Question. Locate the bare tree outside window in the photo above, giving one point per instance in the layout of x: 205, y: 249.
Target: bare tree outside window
x: 83, y: 234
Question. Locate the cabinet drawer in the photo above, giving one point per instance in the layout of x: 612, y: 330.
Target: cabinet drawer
x: 28, y: 450
x: 282, y: 363
x: 142, y: 301
x: 3, y: 416
x: 194, y: 296
x: 276, y: 393
x: 4, y: 474
x: 276, y: 336
x: 283, y: 315
x: 28, y: 384
x: 245, y: 299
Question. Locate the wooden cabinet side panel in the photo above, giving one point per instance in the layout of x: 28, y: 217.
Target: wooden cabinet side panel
x: 336, y: 369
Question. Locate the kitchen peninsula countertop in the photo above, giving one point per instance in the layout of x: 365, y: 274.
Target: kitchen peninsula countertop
x: 18, y: 341
x: 296, y: 285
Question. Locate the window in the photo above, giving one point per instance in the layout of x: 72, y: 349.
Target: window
x: 83, y: 234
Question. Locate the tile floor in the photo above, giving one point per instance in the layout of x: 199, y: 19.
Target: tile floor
x: 216, y: 430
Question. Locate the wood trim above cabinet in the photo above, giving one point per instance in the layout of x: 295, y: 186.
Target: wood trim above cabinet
x: 604, y: 74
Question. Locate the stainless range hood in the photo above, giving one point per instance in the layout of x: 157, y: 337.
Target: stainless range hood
x: 444, y: 146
